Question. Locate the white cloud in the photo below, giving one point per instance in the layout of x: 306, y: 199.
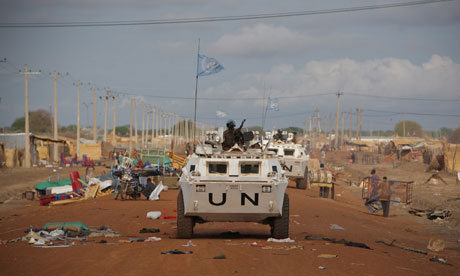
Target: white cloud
x: 439, y: 78
x: 263, y: 40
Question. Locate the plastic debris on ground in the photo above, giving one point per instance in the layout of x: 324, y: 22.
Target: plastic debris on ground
x: 321, y: 267
x: 176, y: 252
x: 152, y: 239
x: 336, y: 227
x: 220, y: 257
x: 280, y: 240
x: 149, y: 230
x: 154, y: 214
x: 255, y: 244
x: 341, y: 241
x: 155, y: 195
x: 166, y: 216
x: 189, y: 244
x: 327, y: 256
x: 436, y: 259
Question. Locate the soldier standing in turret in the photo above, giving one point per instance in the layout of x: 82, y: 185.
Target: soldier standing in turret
x: 232, y: 136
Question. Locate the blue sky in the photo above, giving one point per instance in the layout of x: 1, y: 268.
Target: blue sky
x: 408, y: 52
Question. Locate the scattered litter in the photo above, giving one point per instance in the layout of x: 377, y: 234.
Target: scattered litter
x: 341, y: 241
x: 357, y: 244
x: 394, y: 243
x: 436, y: 245
x: 189, y: 243
x: 149, y: 230
x: 152, y: 239
x: 321, y: 267
x: 255, y: 244
x: 154, y: 214
x: 167, y: 217
x: 136, y: 239
x: 155, y: 195
x: 439, y: 260
x: 313, y: 249
x: 280, y: 240
x: 336, y: 227
x: 72, y: 226
x: 175, y: 252
x: 102, y: 241
x: 339, y: 194
x: 327, y: 256
x: 220, y: 257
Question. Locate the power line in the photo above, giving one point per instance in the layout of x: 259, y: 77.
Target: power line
x: 212, y: 19
x: 403, y: 98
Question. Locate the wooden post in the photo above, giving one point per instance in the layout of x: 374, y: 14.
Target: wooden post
x: 106, y: 113
x: 131, y: 126
x: 94, y: 115
x: 114, y: 127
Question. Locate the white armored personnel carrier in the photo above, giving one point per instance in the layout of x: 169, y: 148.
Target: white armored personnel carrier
x: 293, y: 159
x: 232, y: 186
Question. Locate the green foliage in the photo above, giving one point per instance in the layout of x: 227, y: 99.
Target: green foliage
x: 446, y: 131
x: 122, y: 131
x: 292, y: 129
x: 69, y: 128
x: 412, y: 129
x: 39, y: 122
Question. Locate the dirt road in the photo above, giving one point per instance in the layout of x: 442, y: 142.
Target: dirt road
x: 309, y: 216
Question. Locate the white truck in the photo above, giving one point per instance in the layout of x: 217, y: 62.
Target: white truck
x: 232, y: 186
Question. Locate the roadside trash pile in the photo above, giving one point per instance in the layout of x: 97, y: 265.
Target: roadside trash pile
x: 64, y: 234
x: 73, y: 188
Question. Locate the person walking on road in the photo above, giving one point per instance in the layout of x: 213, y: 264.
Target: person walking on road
x: 385, y: 196
x: 374, y: 186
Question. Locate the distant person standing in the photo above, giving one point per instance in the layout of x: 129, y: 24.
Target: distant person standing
x: 385, y: 196
x: 374, y: 186
x: 353, y: 157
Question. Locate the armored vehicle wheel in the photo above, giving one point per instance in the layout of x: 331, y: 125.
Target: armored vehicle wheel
x: 184, y: 223
x: 301, y: 183
x: 280, y: 229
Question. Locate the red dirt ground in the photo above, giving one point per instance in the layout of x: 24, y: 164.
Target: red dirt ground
x: 310, y: 215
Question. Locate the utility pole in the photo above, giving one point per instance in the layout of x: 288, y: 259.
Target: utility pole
x: 341, y: 136
x: 360, y: 122
x: 148, y: 124
x: 143, y: 124
x: 114, y: 128
x: 26, y: 116
x: 131, y: 126
x: 94, y: 119
x: 351, y: 124
x: 106, y: 113
x: 135, y: 123
x: 55, y: 136
x: 404, y: 124
x: 337, y: 121
x: 153, y: 123
x: 372, y: 127
x: 78, y: 119
x: 160, y: 114
x: 357, y: 122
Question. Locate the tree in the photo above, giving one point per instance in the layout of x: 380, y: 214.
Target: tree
x: 39, y: 122
x: 122, y: 130
x: 412, y: 129
x: 454, y: 138
x: 291, y: 129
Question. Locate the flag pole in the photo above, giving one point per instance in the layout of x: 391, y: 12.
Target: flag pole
x: 196, y: 94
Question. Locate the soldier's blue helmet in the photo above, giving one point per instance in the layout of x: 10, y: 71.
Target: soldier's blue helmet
x: 231, y: 122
